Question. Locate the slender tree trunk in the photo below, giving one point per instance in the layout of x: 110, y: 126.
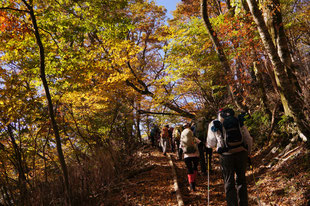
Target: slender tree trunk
x: 261, y: 89
x: 138, y: 130
x: 219, y: 50
x: 289, y: 92
x: 50, y: 105
x: 8, y: 199
x: 138, y: 121
x: 20, y: 167
x: 273, y: 121
x: 218, y: 7
x: 271, y: 74
x: 275, y: 25
x: 217, y: 45
x: 5, y: 195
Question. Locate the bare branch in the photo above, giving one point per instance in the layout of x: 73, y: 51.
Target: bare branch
x: 13, y: 9
x: 51, y: 37
x: 158, y: 113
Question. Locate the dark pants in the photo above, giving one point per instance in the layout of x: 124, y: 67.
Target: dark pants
x: 191, y: 164
x: 236, y: 190
x: 152, y: 140
x: 203, y: 158
x: 172, y: 145
x: 178, y: 149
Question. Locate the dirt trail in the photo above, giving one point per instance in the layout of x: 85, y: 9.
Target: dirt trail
x: 155, y: 186
x: 281, y: 180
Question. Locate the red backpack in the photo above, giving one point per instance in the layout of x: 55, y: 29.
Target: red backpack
x: 165, y: 133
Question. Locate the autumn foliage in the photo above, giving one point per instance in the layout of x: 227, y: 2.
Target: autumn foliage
x: 114, y: 68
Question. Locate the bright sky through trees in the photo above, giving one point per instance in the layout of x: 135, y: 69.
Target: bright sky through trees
x: 170, y: 5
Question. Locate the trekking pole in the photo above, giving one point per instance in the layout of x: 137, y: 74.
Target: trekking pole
x: 208, y: 181
x: 256, y: 187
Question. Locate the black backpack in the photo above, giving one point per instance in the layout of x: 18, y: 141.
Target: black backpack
x: 232, y: 137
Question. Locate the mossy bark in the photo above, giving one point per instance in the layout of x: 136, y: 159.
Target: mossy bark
x: 283, y: 68
x: 261, y: 89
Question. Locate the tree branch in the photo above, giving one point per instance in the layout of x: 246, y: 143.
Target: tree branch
x: 158, y: 113
x: 145, y: 92
x: 9, y: 8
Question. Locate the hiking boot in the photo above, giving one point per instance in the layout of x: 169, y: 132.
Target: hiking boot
x: 192, y: 186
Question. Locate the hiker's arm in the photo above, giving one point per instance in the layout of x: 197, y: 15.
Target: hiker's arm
x: 197, y: 140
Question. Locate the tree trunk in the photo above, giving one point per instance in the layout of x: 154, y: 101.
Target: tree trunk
x: 217, y: 45
x: 7, y: 195
x: 50, y: 105
x: 281, y: 41
x: 20, y: 168
x: 138, y: 121
x: 261, y: 89
x: 289, y: 92
x: 219, y: 50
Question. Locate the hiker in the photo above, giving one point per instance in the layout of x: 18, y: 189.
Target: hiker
x: 200, y: 131
x: 191, y: 154
x: 233, y: 143
x: 176, y: 135
x: 171, y: 142
x: 164, y: 138
x: 154, y: 134
x: 193, y: 125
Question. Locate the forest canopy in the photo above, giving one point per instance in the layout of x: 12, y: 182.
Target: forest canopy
x: 82, y: 81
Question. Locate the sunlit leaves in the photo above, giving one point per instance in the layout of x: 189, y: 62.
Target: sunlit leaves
x: 192, y: 62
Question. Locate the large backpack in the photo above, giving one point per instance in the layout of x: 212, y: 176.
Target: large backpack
x: 165, y: 133
x: 155, y: 131
x: 201, y: 128
x: 189, y: 143
x: 231, y: 130
x: 177, y: 133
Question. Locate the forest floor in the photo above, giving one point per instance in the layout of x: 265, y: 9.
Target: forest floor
x: 282, y: 179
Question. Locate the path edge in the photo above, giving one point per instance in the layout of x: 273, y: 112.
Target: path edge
x: 176, y: 185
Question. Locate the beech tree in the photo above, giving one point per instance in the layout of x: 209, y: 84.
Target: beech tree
x: 226, y: 22
x: 284, y: 68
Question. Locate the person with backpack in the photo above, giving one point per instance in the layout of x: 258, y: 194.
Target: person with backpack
x: 188, y: 144
x: 233, y: 142
x: 176, y: 135
x: 154, y: 135
x: 164, y: 138
x: 171, y: 142
x: 200, y: 131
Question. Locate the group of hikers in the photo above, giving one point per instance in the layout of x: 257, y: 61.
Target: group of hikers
x: 194, y: 141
